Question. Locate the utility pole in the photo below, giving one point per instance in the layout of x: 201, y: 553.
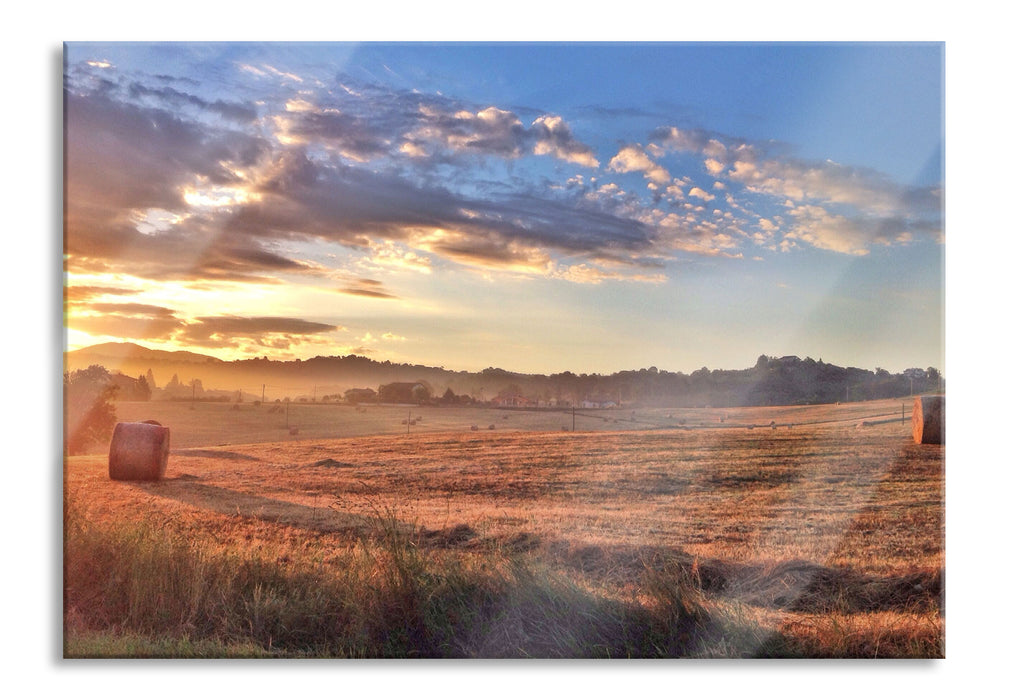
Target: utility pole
x: 263, y: 398
x: 572, y: 419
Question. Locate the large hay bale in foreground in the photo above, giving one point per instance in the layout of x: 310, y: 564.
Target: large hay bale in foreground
x: 928, y: 420
x: 138, y: 452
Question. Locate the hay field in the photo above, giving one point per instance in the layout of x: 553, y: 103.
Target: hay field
x: 820, y: 536
x: 201, y: 424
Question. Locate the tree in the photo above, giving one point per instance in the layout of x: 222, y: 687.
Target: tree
x: 141, y: 390
x: 90, y: 415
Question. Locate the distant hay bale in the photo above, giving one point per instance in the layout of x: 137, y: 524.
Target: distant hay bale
x: 138, y: 452
x: 928, y: 420
x: 292, y: 431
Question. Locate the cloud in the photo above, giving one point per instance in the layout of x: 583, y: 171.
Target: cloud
x: 262, y: 331
x: 386, y: 254
x: 125, y: 320
x: 164, y: 183
x: 832, y: 206
x: 139, y: 321
x: 553, y: 137
x: 351, y: 136
x: 162, y: 194
x: 698, y: 193
x: 82, y: 293
x: 368, y: 288
x: 633, y: 158
x: 489, y: 131
x: 492, y: 131
x: 266, y: 71
x: 583, y: 273
x: 168, y: 97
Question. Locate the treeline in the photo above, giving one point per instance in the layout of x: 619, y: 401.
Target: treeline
x: 89, y: 408
x: 772, y: 381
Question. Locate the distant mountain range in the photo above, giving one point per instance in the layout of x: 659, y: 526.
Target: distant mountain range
x: 130, y: 352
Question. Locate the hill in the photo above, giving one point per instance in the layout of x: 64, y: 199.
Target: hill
x: 771, y: 381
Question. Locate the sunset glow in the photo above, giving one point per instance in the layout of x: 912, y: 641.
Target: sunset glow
x: 536, y: 207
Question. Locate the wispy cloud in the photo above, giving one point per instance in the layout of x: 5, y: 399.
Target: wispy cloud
x: 368, y: 288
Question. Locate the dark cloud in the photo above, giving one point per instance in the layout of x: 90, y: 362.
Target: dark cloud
x: 367, y: 288
x: 349, y: 205
x: 341, y: 177
x: 264, y: 331
x: 122, y: 160
x: 127, y: 155
x: 127, y: 320
x: 170, y: 97
x: 351, y: 135
x: 247, y: 326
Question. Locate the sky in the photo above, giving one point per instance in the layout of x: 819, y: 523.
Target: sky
x: 538, y: 207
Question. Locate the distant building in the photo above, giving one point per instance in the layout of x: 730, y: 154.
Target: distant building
x: 598, y: 402
x: 512, y: 400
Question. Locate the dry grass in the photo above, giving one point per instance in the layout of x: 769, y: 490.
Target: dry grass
x: 823, y: 539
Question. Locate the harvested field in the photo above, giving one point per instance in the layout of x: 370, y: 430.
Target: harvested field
x: 781, y: 535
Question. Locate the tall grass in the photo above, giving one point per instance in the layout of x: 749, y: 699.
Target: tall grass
x: 150, y: 589
x: 387, y: 596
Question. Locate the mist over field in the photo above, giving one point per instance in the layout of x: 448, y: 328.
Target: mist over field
x: 771, y: 381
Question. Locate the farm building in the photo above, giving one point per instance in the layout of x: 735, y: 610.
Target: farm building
x: 512, y: 400
x: 598, y: 402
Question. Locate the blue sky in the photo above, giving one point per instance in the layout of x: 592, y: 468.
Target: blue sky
x: 538, y: 207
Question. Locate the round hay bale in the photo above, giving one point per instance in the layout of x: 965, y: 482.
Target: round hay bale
x: 928, y: 420
x: 138, y: 452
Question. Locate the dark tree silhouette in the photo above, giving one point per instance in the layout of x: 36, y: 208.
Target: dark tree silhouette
x: 89, y: 414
